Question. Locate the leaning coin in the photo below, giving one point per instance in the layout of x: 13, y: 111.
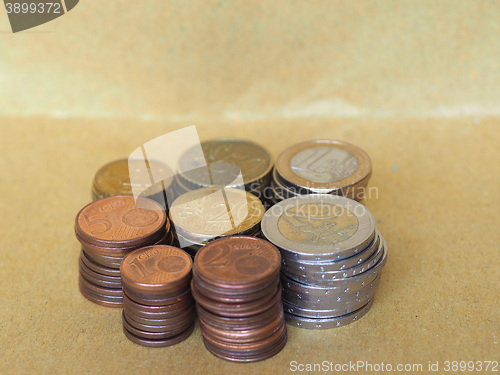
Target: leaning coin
x: 338, y: 265
x: 309, y: 272
x: 158, y: 343
x: 352, y: 281
x: 326, y: 323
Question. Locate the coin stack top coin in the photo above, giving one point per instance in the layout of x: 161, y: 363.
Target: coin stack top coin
x: 108, y: 229
x: 321, y: 167
x: 158, y: 307
x: 221, y: 162
x: 237, y: 290
x: 332, y: 257
x: 114, y: 179
x: 204, y: 214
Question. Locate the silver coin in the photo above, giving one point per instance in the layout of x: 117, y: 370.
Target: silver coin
x: 339, y: 265
x: 362, y: 278
x: 317, y: 313
x: 326, y: 323
x: 335, y: 301
x: 319, y: 294
x: 319, y: 227
x: 327, y: 311
x: 307, y: 273
x: 288, y: 189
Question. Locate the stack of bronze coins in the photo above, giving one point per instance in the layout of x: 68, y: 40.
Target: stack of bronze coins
x: 220, y: 162
x: 108, y: 229
x: 321, y: 167
x: 332, y: 258
x: 237, y: 290
x: 158, y: 308
x: 114, y: 179
x: 202, y: 215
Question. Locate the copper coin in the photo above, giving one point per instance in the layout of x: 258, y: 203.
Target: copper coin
x: 232, y: 299
x: 236, y: 310
x: 169, y: 321
x: 114, y: 178
x: 155, y: 302
x: 159, y: 343
x: 120, y: 222
x: 256, y: 346
x: 247, y: 322
x: 106, y: 261
x: 97, y: 275
x: 152, y: 335
x: 239, y: 357
x: 100, y: 299
x: 121, y: 251
x: 155, y: 271
x: 159, y: 328
x: 98, y: 281
x: 238, y: 262
x: 97, y: 267
x: 244, y: 336
x: 183, y: 302
x: 116, y: 254
x: 109, y: 292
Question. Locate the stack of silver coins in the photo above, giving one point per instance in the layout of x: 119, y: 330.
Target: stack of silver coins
x: 321, y: 167
x: 225, y: 162
x: 202, y: 215
x: 332, y: 258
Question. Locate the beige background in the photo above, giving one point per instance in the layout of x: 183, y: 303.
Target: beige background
x: 414, y: 83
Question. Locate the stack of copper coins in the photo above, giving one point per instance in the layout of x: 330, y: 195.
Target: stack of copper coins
x: 321, y: 167
x: 237, y: 290
x: 202, y: 215
x: 158, y: 308
x: 114, y: 179
x: 219, y: 163
x: 108, y: 229
x: 332, y: 258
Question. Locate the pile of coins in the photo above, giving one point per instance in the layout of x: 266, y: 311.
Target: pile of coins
x: 108, y: 229
x: 321, y: 167
x: 237, y: 291
x: 332, y: 258
x: 114, y: 179
x: 202, y: 215
x: 158, y: 308
x: 220, y: 162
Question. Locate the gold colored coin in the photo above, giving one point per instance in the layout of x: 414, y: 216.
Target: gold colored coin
x: 114, y: 178
x: 209, y: 212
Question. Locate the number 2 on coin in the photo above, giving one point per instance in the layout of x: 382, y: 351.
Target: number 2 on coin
x: 218, y: 261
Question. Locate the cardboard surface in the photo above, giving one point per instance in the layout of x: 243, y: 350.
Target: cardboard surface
x: 437, y: 207
x: 414, y: 83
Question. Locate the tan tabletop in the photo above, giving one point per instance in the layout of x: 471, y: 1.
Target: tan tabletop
x: 437, y: 207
